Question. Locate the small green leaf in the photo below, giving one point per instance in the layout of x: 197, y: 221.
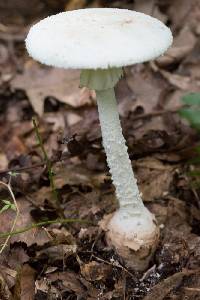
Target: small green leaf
x: 195, y: 185
x: 191, y: 99
x: 193, y: 116
x: 194, y: 173
x: 195, y: 160
x: 4, y: 208
x: 13, y: 174
x: 7, y: 202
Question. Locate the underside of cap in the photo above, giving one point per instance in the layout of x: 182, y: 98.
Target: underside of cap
x: 97, y: 38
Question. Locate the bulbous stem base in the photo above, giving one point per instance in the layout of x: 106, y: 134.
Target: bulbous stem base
x: 134, y: 238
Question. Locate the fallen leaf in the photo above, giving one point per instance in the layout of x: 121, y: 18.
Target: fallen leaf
x: 14, y: 147
x: 35, y: 235
x: 56, y: 119
x: 183, y: 12
x: 156, y: 178
x: 40, y: 82
x: 183, y: 43
x: 150, y: 8
x: 25, y: 287
x: 69, y: 281
x: 5, y: 294
x: 10, y: 276
x: 166, y: 286
x: 75, y: 4
x: 3, y: 162
x: 179, y: 81
x: 146, y: 88
x: 174, y: 55
x: 72, y: 118
x: 96, y: 271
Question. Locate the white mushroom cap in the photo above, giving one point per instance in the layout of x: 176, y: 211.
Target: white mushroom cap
x: 97, y: 38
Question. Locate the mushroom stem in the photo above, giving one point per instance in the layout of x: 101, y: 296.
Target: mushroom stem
x: 132, y: 229
x: 116, y: 151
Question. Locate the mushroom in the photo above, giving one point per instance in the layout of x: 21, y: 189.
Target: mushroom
x: 100, y: 41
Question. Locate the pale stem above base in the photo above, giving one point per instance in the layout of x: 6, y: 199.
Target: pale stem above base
x: 116, y: 151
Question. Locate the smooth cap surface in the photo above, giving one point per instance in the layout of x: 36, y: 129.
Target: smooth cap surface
x: 97, y: 38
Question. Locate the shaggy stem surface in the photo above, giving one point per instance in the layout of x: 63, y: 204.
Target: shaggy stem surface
x: 116, y: 151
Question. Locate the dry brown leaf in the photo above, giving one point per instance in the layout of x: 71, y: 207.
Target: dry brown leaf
x: 42, y: 285
x: 75, y: 4
x: 35, y: 235
x: 3, y: 161
x: 96, y: 271
x: 14, y: 147
x: 40, y: 82
x: 150, y: 8
x: 27, y: 283
x: 179, y: 81
x: 191, y: 65
x: 149, y: 89
x: 183, y: 43
x: 174, y: 55
x: 166, y: 286
x: 146, y: 87
x: 185, y: 37
x: 69, y: 281
x: 10, y: 275
x: 73, y: 118
x: 154, y: 178
x: 57, y: 119
x: 184, y: 12
x: 5, y: 294
x: 72, y: 175
x: 15, y: 257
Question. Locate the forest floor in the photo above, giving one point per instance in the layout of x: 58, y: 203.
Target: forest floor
x: 72, y: 260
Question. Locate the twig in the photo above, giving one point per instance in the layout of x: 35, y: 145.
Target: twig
x: 17, y: 170
x: 35, y: 225
x: 192, y: 289
x: 47, y: 161
x: 21, y: 169
x: 157, y: 113
x: 8, y: 186
x: 117, y: 264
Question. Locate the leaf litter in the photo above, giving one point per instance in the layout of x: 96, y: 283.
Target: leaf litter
x: 73, y: 261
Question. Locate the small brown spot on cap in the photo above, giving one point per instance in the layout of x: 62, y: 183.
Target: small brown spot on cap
x: 127, y: 21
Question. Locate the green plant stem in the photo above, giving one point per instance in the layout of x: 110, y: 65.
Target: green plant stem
x: 47, y: 161
x: 8, y: 186
x: 35, y: 225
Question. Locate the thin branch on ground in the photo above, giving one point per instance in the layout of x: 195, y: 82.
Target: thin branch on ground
x: 40, y: 224
x: 8, y: 186
x: 21, y: 169
x: 113, y: 263
x: 157, y: 113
